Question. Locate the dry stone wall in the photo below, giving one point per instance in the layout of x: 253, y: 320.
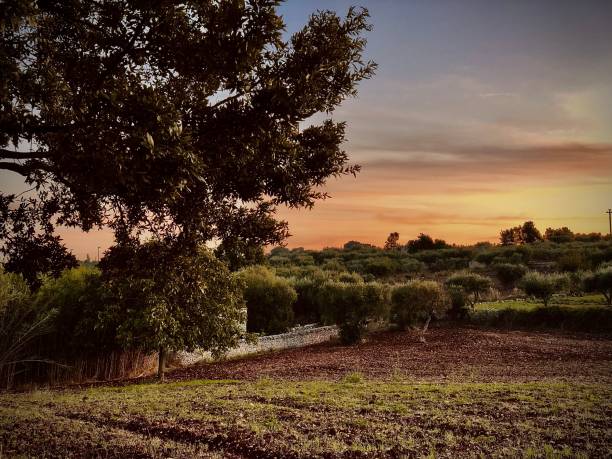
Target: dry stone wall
x: 297, y: 337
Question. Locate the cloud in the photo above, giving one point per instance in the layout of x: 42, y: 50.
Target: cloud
x: 473, y: 162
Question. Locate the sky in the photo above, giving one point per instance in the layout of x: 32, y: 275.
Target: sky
x: 482, y: 115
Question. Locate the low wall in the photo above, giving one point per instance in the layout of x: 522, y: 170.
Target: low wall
x: 297, y: 337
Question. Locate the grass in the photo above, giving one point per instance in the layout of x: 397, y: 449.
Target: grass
x: 270, y: 418
x: 557, y: 300
x: 588, y: 313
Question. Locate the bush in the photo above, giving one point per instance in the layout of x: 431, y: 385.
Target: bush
x: 572, y: 262
x: 509, y: 274
x: 473, y: 285
x: 380, y: 267
x: 411, y: 266
x: 269, y: 300
x: 75, y: 299
x: 543, y: 286
x: 19, y: 325
x: 416, y: 301
x: 584, y: 319
x: 306, y: 309
x: 459, y: 308
x: 352, y: 305
x: 600, y: 281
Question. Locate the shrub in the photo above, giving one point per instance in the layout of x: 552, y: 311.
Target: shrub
x: 269, y: 300
x: 584, y: 319
x: 543, y: 286
x: 472, y: 284
x: 572, y: 262
x: 416, y: 301
x: 458, y: 302
x: 509, y: 274
x: 600, y: 281
x: 19, y: 325
x: 352, y: 305
x: 411, y: 266
x: 380, y: 266
x: 75, y: 299
x: 333, y: 264
x: 306, y: 308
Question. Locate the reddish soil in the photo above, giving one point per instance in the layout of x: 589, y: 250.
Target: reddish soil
x: 450, y: 354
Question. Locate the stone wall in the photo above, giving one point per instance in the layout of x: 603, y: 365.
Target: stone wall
x: 297, y: 337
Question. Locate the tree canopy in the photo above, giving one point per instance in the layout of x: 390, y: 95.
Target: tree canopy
x: 188, y: 118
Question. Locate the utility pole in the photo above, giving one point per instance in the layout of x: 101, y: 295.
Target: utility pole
x: 98, y: 253
x: 609, y: 212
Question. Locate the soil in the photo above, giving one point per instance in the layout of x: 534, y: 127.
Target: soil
x: 449, y: 354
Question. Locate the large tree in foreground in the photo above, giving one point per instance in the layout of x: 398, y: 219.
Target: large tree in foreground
x: 188, y: 119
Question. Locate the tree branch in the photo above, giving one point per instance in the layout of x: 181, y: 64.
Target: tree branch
x: 14, y: 167
x: 8, y: 154
x: 226, y: 100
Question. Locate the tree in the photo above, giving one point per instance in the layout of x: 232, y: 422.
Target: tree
x: 416, y: 301
x: 524, y: 234
x: 600, y: 281
x: 543, y: 286
x: 351, y: 306
x: 529, y: 233
x: 392, y: 242
x: 471, y: 284
x: 509, y: 273
x: 28, y: 244
x: 175, y: 118
x: 510, y: 236
x: 269, y: 300
x: 425, y: 242
x: 559, y: 235
x: 186, y: 299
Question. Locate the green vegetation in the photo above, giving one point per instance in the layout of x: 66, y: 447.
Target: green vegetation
x: 543, y: 286
x: 299, y: 419
x: 600, y: 281
x: 352, y: 305
x: 587, y: 313
x: 416, y: 301
x: 269, y: 300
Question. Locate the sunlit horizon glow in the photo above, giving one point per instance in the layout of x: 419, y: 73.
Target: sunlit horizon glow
x: 481, y: 116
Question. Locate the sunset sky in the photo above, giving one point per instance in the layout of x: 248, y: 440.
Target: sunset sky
x: 483, y: 114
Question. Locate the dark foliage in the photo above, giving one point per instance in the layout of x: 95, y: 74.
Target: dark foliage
x: 175, y: 118
x: 269, y: 300
x: 425, y: 242
x: 27, y: 241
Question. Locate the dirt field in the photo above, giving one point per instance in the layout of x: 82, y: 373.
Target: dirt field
x: 450, y: 354
x: 466, y: 393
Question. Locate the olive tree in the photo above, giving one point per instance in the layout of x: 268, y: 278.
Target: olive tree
x: 543, y: 286
x: 416, y: 301
x: 600, y: 281
x: 352, y: 306
x: 471, y: 284
x: 509, y: 273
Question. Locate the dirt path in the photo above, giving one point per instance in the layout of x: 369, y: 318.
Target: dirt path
x: 450, y: 354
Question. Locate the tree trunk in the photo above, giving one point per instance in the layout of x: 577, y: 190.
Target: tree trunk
x: 161, y: 365
x: 425, y: 327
